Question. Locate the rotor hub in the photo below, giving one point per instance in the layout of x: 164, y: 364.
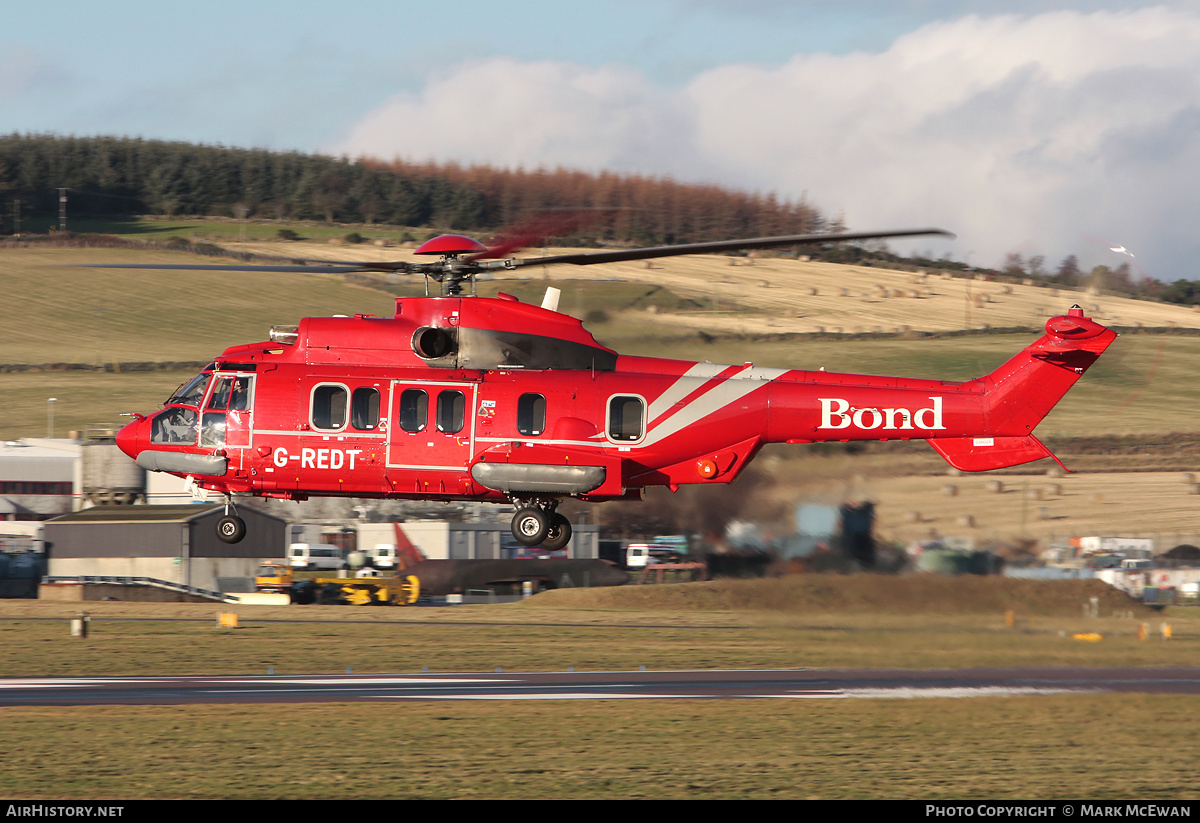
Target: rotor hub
x: 451, y: 244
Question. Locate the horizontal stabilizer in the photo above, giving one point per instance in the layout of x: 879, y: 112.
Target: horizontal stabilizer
x: 977, y: 454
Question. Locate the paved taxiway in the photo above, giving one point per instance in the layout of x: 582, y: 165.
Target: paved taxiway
x: 708, y: 684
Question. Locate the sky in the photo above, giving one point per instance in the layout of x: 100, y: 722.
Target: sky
x: 1033, y: 128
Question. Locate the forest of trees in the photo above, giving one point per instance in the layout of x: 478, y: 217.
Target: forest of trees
x: 120, y: 177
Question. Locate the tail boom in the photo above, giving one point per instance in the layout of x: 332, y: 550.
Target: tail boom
x: 982, y: 424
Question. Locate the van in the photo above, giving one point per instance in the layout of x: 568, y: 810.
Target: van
x: 382, y: 556
x: 315, y: 556
x: 637, y: 555
x: 1136, y: 563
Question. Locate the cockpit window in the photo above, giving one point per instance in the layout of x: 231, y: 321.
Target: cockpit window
x: 232, y: 393
x: 192, y: 393
x: 174, y: 425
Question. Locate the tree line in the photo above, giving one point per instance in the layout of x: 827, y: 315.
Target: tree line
x: 118, y: 177
x: 1120, y: 279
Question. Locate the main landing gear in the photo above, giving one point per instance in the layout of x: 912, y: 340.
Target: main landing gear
x: 537, y: 523
x: 231, y: 528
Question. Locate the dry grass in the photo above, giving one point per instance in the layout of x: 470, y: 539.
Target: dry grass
x: 56, y: 313
x: 1115, y: 747
x: 791, y: 622
x: 825, y: 594
x: 918, y: 498
x: 1049, y: 510
x: 788, y: 296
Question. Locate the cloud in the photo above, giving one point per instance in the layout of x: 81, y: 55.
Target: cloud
x: 510, y: 113
x: 24, y: 71
x: 1028, y: 132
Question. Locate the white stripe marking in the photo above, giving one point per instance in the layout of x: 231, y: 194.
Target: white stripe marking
x: 687, y: 383
x: 718, y: 397
x: 912, y: 693
x: 38, y: 683
x: 372, y: 681
x: 546, y: 696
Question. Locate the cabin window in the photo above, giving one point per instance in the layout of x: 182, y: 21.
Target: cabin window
x: 364, y: 409
x: 451, y: 411
x: 531, y: 414
x: 329, y: 407
x: 625, y: 418
x: 414, y: 410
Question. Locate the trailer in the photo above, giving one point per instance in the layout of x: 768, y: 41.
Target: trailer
x: 363, y: 590
x: 368, y: 591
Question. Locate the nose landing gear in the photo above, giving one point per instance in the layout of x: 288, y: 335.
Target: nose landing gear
x: 231, y: 528
x: 537, y: 523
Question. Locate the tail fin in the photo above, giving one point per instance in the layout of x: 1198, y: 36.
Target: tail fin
x: 407, y: 554
x: 1023, y: 391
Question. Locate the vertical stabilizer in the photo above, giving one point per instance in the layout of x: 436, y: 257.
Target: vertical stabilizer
x: 1023, y: 391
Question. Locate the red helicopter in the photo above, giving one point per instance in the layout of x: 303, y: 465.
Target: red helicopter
x: 459, y: 397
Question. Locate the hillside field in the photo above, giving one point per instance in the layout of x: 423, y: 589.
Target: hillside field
x: 117, y: 323
x: 57, y: 313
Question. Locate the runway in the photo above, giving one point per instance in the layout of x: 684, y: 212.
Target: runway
x: 801, y: 684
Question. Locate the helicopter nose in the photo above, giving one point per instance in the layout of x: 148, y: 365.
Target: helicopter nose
x: 127, y: 438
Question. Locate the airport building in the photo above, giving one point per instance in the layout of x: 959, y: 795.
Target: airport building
x: 174, y: 544
x: 39, y: 478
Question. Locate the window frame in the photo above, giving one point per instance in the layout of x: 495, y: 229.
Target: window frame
x: 536, y: 414
x: 400, y: 409
x: 608, y: 419
x: 457, y: 412
x: 356, y: 421
x: 312, y: 407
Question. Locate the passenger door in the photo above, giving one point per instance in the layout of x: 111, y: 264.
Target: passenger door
x: 431, y: 426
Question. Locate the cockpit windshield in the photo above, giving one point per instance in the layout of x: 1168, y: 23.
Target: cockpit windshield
x: 192, y: 392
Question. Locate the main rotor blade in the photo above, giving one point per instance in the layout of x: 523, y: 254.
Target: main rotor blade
x: 617, y: 256
x: 536, y: 228
x: 325, y: 268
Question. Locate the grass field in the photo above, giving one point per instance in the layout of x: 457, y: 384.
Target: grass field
x: 790, y: 622
x: 207, y: 229
x: 1108, y: 747
x: 1082, y: 746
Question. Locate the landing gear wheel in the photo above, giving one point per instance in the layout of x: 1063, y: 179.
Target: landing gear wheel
x: 530, y: 526
x: 559, y: 535
x: 231, y: 529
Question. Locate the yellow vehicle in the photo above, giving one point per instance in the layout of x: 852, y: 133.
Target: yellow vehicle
x: 273, y: 577
x: 357, y: 591
x: 368, y: 591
